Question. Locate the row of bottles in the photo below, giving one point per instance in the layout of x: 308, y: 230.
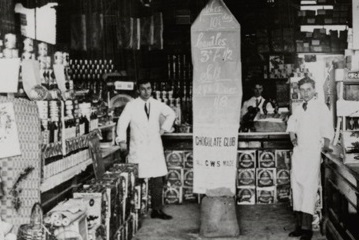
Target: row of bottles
x: 88, y: 73
x: 176, y: 96
x: 69, y: 128
x: 179, y: 66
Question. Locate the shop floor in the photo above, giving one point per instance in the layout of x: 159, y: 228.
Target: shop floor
x: 257, y: 222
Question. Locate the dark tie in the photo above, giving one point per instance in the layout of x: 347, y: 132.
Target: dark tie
x: 147, y: 111
x: 258, y: 101
x: 305, y: 106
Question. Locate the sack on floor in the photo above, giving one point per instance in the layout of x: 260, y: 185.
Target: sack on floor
x: 218, y: 217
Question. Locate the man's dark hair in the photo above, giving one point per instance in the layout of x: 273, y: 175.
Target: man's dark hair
x: 306, y: 80
x: 143, y: 81
x: 257, y: 83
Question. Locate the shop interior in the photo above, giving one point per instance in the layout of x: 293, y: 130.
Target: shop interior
x: 69, y: 68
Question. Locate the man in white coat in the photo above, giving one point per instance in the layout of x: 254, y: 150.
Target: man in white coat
x: 310, y: 128
x: 143, y: 114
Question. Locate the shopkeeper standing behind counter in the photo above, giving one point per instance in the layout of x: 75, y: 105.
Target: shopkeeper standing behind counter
x: 256, y: 101
x: 309, y: 125
x: 143, y: 115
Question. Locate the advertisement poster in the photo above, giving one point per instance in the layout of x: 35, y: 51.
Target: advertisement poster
x: 217, y: 96
x: 9, y: 139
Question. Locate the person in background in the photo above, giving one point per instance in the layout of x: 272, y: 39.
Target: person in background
x: 256, y: 101
x: 251, y: 107
x: 310, y: 128
x: 143, y: 115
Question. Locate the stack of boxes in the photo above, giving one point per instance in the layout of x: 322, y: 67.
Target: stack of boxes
x: 173, y: 191
x: 338, y: 15
x: 179, y: 178
x: 262, y: 176
x: 246, y: 180
x: 98, y: 205
x: 321, y: 42
x: 265, y: 177
x: 114, y: 202
x: 328, y: 16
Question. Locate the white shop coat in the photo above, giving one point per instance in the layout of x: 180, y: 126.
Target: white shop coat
x: 310, y: 126
x: 145, y: 140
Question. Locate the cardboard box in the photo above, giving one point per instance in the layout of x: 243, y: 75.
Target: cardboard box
x: 175, y: 177
x: 266, y: 195
x: 246, y: 195
x: 188, y: 178
x: 246, y: 159
x: 283, y: 176
x: 174, y: 158
x: 283, y: 159
x: 96, y: 200
x: 188, y: 159
x: 115, y: 208
x: 172, y: 195
x: 283, y: 193
x: 266, y: 159
x: 189, y: 196
x: 125, y: 167
x: 265, y: 177
x: 246, y: 177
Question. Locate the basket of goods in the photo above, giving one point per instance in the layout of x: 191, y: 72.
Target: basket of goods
x: 34, y: 230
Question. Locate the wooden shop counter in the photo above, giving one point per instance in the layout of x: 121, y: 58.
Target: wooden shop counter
x: 253, y: 140
x: 340, y: 198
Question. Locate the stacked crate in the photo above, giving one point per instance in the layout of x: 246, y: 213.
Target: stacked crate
x: 173, y: 190
x: 187, y: 192
x: 114, y: 202
x: 266, y: 177
x: 246, y: 180
x: 263, y: 176
x: 132, y: 194
x: 179, y: 187
x: 98, y: 203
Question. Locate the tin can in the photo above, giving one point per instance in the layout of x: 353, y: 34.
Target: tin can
x: 42, y: 49
x: 28, y: 45
x: 10, y: 41
x: 58, y: 57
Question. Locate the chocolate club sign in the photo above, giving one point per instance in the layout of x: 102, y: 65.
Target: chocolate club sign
x: 217, y: 96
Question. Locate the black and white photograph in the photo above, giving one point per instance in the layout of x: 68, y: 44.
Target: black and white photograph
x: 179, y: 119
